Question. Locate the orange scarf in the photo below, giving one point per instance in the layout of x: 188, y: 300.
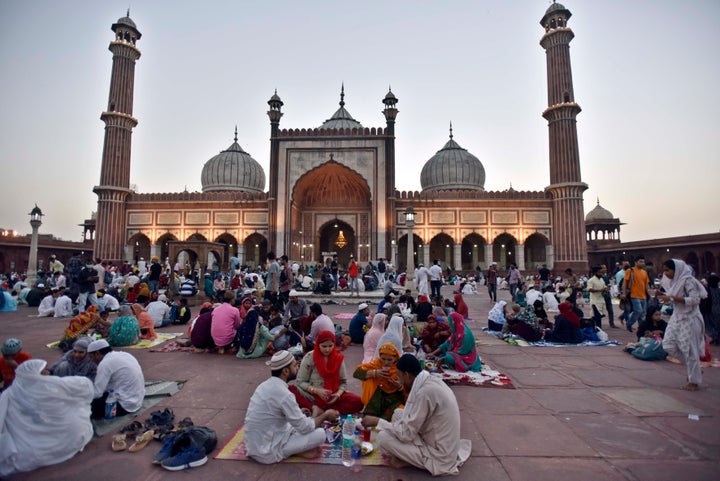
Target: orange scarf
x: 370, y: 385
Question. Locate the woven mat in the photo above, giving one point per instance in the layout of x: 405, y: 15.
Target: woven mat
x: 523, y: 343
x: 172, y: 346
x: 235, y: 450
x: 488, y: 377
x: 345, y: 315
x: 161, y: 337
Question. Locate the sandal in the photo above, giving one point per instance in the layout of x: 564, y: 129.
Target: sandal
x: 133, y: 429
x: 141, y: 441
x: 118, y: 443
x: 160, y: 418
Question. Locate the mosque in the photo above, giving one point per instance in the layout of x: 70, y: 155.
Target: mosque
x: 330, y: 189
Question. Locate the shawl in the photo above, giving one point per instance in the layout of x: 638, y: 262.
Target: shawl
x: 428, y: 333
x: 460, y: 306
x: 528, y: 316
x: 370, y: 385
x: 243, y: 311
x: 683, y: 274
x: 393, y: 333
x: 144, y: 290
x: 328, y: 368
x: 461, y: 343
x: 248, y: 331
x: 497, y: 313
x: 145, y: 321
x: 439, y: 313
x: 372, y: 337
x: 68, y: 366
x: 567, y: 311
x: 82, y: 323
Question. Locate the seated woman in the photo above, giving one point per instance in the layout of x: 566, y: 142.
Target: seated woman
x: 79, y: 326
x: 76, y: 362
x: 567, y: 326
x: 510, y: 315
x: 145, y: 321
x: 143, y: 293
x: 396, y: 332
x: 200, y: 330
x: 459, y: 352
x: 381, y: 389
x: 460, y: 306
x: 496, y: 316
x: 254, y: 338
x: 434, y: 334
x: 653, y: 325
x: 44, y: 420
x: 125, y: 331
x: 322, y: 379
x: 7, y: 301
x: 372, y: 337
x: 525, y: 324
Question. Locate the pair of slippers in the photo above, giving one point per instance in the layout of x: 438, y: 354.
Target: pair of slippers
x: 119, y: 442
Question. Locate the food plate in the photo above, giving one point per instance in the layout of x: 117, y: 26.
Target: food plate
x: 367, y: 448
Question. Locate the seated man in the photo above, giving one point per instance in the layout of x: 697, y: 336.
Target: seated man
x: 275, y: 427
x: 63, y: 305
x: 426, y: 433
x: 120, y: 372
x: 296, y: 308
x: 358, y: 323
x: 159, y: 311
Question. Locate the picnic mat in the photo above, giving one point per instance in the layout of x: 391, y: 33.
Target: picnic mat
x: 234, y: 449
x: 172, y: 346
x: 161, y: 337
x: 523, y: 343
x: 155, y: 391
x: 488, y: 377
x: 345, y: 315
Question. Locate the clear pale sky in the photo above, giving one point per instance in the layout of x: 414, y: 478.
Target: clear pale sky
x: 646, y: 73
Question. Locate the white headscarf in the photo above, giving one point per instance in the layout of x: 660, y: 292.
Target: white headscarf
x: 683, y: 274
x: 393, y: 334
x: 497, y: 313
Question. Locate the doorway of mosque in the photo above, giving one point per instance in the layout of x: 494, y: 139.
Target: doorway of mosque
x: 338, y: 236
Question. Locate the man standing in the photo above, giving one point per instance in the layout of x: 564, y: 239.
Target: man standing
x: 381, y: 268
x: 119, y: 371
x: 275, y: 427
x: 334, y: 271
x: 154, y: 277
x: 513, y: 280
x: 358, y: 323
x: 636, y: 287
x: 426, y: 432
x: 421, y: 276
x: 435, y: 279
x: 597, y: 288
x: 353, y: 275
x: 544, y: 276
x: 286, y: 279
x: 607, y: 296
x: 86, y: 285
x: 619, y: 281
x: 273, y: 278
x: 491, y: 277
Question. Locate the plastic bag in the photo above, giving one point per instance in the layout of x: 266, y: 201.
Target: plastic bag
x: 602, y: 335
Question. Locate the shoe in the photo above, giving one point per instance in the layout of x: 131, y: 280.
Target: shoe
x: 118, y: 443
x: 141, y: 441
x: 160, y: 418
x: 189, y: 458
x: 135, y: 428
x: 166, y: 450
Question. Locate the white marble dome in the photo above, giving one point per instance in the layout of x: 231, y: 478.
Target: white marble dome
x: 233, y: 169
x: 452, y: 168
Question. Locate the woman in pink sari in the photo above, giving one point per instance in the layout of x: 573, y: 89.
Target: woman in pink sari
x: 373, y: 336
x: 459, y: 352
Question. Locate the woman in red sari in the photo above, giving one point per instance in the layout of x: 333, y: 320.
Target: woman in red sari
x: 322, y: 379
x: 459, y: 352
x: 460, y: 306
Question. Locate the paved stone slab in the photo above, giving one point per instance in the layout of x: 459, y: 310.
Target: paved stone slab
x: 604, y: 377
x: 571, y: 401
x: 514, y: 360
x: 650, y: 401
x: 551, y: 469
x: 668, y: 470
x: 527, y: 435
x: 498, y: 401
x: 624, y: 436
x: 543, y: 377
x: 703, y: 435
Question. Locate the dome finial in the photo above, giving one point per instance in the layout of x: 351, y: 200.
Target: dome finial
x: 598, y: 200
x: 451, y: 135
x: 342, y: 95
x: 235, y: 132
x: 128, y: 12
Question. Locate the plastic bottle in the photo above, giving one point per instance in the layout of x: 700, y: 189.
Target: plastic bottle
x: 348, y: 431
x: 110, y: 405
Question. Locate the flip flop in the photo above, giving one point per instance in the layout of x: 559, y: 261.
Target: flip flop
x: 118, y: 443
x: 133, y: 429
x: 141, y: 441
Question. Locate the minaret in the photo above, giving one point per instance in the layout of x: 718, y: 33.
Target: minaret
x: 566, y: 186
x: 275, y: 113
x: 390, y: 112
x: 115, y: 170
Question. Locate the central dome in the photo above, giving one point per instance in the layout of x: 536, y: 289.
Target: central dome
x: 452, y: 168
x: 233, y: 169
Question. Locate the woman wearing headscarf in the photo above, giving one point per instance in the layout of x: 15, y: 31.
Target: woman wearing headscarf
x: 525, y: 324
x: 393, y: 333
x: 246, y: 305
x: 381, y: 390
x: 459, y: 352
x: 79, y: 326
x: 423, y: 308
x: 322, y: 379
x: 253, y: 336
x: 434, y: 334
x: 710, y: 307
x: 567, y: 326
x: 125, y: 330
x: 145, y: 321
x: 685, y: 334
x: 496, y: 316
x: 372, y: 337
x: 460, y: 306
x: 200, y: 329
x: 44, y: 420
x: 143, y: 293
x: 76, y: 362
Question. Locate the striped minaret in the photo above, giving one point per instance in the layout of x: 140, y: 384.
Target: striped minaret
x: 115, y: 170
x: 566, y: 186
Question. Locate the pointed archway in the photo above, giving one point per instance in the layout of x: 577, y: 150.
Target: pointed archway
x: 337, y: 237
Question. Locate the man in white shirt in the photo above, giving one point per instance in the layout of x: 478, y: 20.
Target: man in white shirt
x: 120, y: 372
x: 533, y: 295
x: 275, y: 427
x: 159, y: 311
x: 106, y: 302
x: 47, y: 305
x: 320, y: 322
x: 59, y: 280
x: 435, y: 273
x: 550, y: 302
x: 63, y: 305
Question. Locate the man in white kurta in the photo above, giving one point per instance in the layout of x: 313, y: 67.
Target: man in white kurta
x: 275, y: 427
x: 596, y: 287
x: 426, y: 432
x: 63, y: 306
x: 119, y: 371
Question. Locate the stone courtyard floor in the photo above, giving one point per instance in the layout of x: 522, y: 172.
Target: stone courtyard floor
x: 577, y: 413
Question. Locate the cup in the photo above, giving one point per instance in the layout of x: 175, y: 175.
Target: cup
x: 367, y: 432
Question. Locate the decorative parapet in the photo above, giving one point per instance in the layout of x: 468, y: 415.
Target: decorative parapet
x: 234, y: 196
x: 471, y: 195
x: 355, y: 132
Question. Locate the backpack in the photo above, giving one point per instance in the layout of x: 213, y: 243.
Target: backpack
x: 651, y: 350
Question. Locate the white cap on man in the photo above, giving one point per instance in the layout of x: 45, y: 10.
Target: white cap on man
x: 97, y: 345
x: 362, y: 307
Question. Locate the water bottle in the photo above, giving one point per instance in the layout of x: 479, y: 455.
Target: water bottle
x: 356, y: 451
x: 348, y: 431
x: 110, y: 405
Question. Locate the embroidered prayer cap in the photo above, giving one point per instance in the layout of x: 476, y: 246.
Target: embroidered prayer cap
x: 11, y: 346
x: 362, y: 307
x: 280, y: 360
x: 97, y: 345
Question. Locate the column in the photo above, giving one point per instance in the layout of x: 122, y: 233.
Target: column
x: 520, y: 257
x: 457, y: 257
x: 488, y: 255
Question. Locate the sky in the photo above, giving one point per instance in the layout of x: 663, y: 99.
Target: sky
x: 646, y: 74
